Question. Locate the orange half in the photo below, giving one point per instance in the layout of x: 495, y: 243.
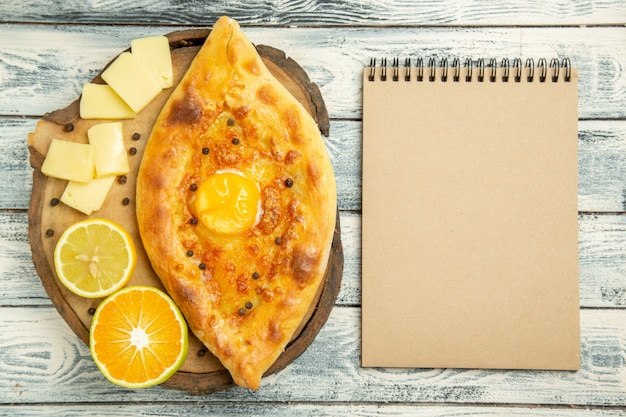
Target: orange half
x: 138, y: 337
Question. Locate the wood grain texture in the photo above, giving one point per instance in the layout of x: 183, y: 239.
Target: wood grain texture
x: 601, y: 143
x: 320, y: 12
x: 602, y: 248
x: 42, y: 361
x: 332, y: 57
x: 319, y: 409
x: 49, y: 49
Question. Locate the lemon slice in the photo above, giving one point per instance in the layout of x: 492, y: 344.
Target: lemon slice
x: 95, y: 257
x: 138, y: 337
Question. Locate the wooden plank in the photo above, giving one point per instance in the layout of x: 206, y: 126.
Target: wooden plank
x: 602, y: 243
x: 301, y: 410
x: 35, y: 79
x: 43, y: 362
x: 602, y: 260
x: 17, y: 174
x: 602, y: 167
x: 352, y: 12
x: 18, y: 278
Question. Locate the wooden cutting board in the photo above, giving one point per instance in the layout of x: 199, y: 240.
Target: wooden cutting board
x: 201, y: 373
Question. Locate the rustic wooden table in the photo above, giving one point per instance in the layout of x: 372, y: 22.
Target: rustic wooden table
x: 48, y: 49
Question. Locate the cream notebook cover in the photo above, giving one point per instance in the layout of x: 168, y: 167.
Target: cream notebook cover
x: 470, y: 223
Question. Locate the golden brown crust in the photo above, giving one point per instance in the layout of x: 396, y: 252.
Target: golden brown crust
x: 243, y: 295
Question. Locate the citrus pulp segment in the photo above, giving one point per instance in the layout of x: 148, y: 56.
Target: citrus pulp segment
x: 138, y: 337
x: 95, y: 257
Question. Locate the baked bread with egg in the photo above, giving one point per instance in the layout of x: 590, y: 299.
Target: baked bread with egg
x: 236, y: 204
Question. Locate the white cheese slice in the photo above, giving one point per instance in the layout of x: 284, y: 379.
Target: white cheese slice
x: 110, y: 153
x: 87, y: 197
x: 131, y: 81
x: 99, y: 101
x: 69, y: 161
x: 154, y: 54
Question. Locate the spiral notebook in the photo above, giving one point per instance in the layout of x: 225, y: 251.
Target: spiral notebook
x: 470, y: 223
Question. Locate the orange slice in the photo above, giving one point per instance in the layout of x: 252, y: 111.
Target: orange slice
x: 95, y: 257
x: 138, y: 337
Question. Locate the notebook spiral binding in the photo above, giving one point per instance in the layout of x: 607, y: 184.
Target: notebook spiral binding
x: 514, y: 70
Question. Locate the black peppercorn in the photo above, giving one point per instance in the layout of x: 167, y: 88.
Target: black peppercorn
x: 69, y: 127
x: 248, y: 305
x: 190, y: 253
x: 242, y: 311
x: 193, y: 220
x: 136, y: 136
x: 235, y: 141
x: 231, y: 122
x: 205, y: 151
x: 255, y: 275
x: 289, y: 182
x: 202, y: 265
x: 202, y: 352
x: 132, y: 151
x: 54, y: 202
x: 91, y: 311
x: 193, y: 187
x: 49, y: 232
x: 278, y: 241
x: 126, y: 201
x: 122, y: 179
